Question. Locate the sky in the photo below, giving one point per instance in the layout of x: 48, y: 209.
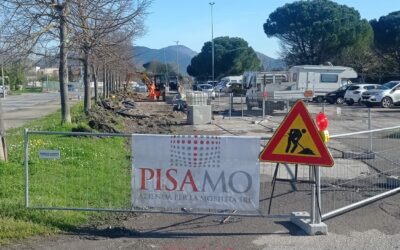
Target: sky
x: 189, y: 21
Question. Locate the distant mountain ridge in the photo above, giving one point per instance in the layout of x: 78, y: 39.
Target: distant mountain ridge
x: 165, y: 55
x: 169, y: 55
x: 271, y: 63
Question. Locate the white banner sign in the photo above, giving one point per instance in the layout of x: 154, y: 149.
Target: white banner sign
x: 211, y: 172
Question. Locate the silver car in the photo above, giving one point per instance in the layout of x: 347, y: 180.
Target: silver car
x: 208, y: 88
x: 354, y: 92
x: 385, y: 95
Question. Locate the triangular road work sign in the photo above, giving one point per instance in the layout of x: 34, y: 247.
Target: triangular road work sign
x: 297, y: 141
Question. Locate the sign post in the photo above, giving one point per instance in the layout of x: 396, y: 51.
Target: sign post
x: 298, y: 141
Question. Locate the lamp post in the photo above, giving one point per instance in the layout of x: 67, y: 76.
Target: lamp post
x: 177, y: 61
x: 2, y: 80
x: 2, y: 68
x: 212, y: 41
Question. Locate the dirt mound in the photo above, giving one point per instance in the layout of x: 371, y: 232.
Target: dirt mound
x: 138, y: 114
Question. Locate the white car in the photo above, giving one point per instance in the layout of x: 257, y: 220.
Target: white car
x: 3, y: 91
x: 207, y: 88
x: 354, y: 92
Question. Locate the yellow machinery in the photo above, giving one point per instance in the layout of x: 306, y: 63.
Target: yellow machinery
x: 156, y: 86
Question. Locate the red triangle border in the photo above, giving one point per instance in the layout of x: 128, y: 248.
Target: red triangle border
x: 299, y: 108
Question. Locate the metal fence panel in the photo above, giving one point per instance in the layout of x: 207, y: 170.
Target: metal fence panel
x: 71, y: 172
x: 366, y: 165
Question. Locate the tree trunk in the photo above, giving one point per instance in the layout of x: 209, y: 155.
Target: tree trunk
x: 86, y: 83
x: 104, y: 80
x: 63, y: 70
x: 109, y: 83
x: 3, y: 145
x: 119, y: 82
x: 112, y: 82
x: 94, y: 75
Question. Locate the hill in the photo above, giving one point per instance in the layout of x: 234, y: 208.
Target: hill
x: 168, y: 54
x: 271, y: 63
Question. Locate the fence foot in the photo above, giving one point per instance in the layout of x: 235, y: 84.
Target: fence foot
x: 302, y: 220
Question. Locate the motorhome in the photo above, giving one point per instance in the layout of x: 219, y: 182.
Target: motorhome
x: 309, y: 82
x: 320, y: 79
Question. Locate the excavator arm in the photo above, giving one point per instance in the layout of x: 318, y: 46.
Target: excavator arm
x: 150, y: 86
x: 146, y: 79
x: 155, y: 91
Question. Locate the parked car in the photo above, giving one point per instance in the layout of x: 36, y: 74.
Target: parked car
x: 206, y: 88
x: 213, y: 83
x: 71, y: 88
x: 141, y: 88
x: 3, y: 91
x: 385, y: 95
x: 337, y: 96
x: 353, y: 93
x: 219, y: 86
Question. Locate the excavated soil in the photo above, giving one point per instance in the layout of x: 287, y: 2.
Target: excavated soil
x: 139, y: 115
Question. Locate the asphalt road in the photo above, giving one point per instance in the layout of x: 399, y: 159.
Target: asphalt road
x: 20, y: 109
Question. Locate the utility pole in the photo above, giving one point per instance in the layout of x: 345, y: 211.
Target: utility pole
x: 2, y: 80
x: 166, y: 70
x: 212, y: 40
x: 177, y: 60
x: 2, y: 72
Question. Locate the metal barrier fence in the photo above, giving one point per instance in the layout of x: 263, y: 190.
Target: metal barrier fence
x: 356, y: 117
x: 54, y: 166
x: 366, y: 165
x: 102, y: 181
x: 230, y: 105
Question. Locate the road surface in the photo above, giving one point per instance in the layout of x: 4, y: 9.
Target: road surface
x: 20, y: 109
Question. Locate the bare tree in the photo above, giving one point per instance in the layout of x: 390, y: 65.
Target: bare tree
x: 31, y: 27
x: 95, y: 25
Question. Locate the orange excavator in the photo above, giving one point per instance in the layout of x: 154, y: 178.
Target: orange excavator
x: 156, y: 86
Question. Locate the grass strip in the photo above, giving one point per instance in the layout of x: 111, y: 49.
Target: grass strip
x: 91, y: 172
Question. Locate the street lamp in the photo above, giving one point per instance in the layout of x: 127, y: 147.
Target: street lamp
x: 2, y: 79
x: 177, y: 61
x: 212, y: 40
x: 2, y: 68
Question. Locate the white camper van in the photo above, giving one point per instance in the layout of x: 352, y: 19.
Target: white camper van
x: 320, y: 79
x: 310, y: 82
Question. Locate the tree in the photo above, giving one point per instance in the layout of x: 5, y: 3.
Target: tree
x: 232, y: 56
x: 387, y: 37
x: 29, y: 26
x: 360, y: 56
x: 313, y: 32
x: 157, y: 67
x: 95, y: 22
x: 32, y: 26
x: 16, y: 75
